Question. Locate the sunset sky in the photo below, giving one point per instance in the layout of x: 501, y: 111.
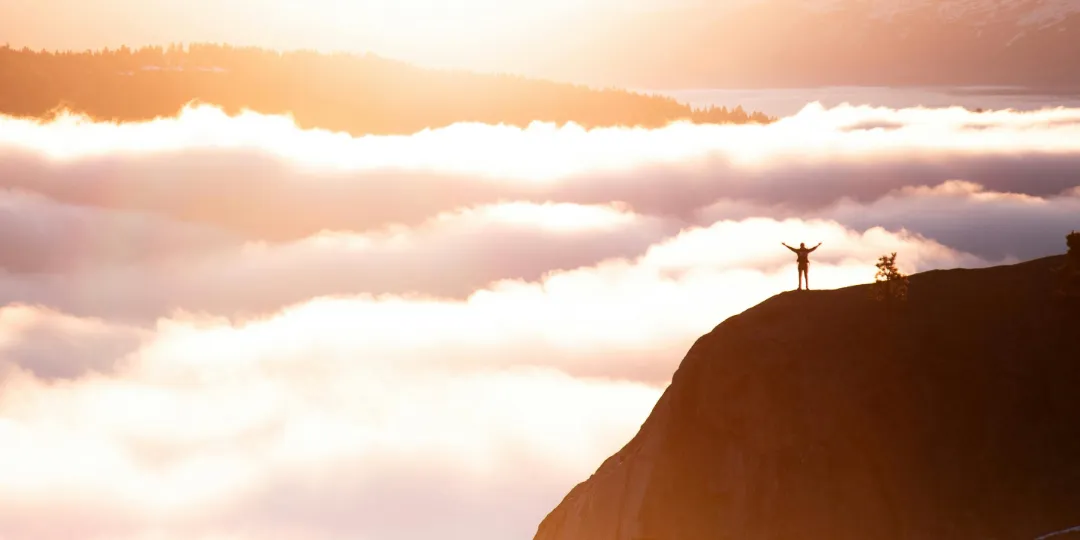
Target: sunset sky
x: 445, y: 33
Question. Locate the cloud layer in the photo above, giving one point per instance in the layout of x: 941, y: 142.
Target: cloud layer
x: 243, y: 174
x: 230, y: 328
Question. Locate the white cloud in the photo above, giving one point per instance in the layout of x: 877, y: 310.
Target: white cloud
x: 507, y: 398
x: 53, y: 345
x: 233, y: 329
x: 450, y: 256
x: 994, y: 225
x: 246, y: 173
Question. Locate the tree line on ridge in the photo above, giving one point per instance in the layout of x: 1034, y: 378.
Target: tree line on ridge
x: 357, y: 93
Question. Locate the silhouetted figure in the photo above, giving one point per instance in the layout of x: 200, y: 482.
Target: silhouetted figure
x: 803, y: 254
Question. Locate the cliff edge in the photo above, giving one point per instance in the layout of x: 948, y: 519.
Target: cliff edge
x: 822, y: 415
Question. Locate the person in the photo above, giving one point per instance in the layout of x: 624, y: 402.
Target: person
x: 803, y: 254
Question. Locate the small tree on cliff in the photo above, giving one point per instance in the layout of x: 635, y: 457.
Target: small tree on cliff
x: 1069, y: 273
x: 889, y: 284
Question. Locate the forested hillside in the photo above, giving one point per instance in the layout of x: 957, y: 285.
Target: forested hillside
x: 360, y: 94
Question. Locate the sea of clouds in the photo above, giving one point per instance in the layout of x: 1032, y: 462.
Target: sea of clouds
x: 224, y: 327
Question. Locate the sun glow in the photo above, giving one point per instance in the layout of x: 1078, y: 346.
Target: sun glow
x: 444, y: 33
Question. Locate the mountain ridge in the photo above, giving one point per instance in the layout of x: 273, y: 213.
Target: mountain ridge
x: 357, y: 94
x: 819, y: 415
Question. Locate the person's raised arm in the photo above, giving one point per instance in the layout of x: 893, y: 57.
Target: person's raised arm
x: 787, y: 246
x: 815, y: 247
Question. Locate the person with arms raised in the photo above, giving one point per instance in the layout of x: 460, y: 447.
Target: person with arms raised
x: 803, y: 254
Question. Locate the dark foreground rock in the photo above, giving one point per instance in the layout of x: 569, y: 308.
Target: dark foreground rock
x: 821, y: 415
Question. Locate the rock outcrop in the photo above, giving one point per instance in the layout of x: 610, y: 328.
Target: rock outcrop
x: 822, y: 415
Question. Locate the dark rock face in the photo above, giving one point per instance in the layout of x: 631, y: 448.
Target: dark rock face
x: 820, y: 415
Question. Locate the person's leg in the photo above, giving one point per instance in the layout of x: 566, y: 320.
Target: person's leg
x: 802, y: 272
x: 806, y: 274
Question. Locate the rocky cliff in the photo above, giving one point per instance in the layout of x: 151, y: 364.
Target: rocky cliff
x: 822, y: 415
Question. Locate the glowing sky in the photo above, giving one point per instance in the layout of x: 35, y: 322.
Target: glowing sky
x: 430, y: 32
x: 230, y: 328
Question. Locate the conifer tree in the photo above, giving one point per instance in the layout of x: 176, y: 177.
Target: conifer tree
x: 889, y: 283
x: 1069, y: 273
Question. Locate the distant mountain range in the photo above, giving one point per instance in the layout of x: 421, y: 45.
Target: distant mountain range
x: 358, y: 94
x: 792, y: 43
x: 651, y: 44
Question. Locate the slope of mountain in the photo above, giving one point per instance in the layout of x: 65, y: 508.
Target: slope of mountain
x: 358, y: 94
x: 820, y: 415
x: 793, y: 43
